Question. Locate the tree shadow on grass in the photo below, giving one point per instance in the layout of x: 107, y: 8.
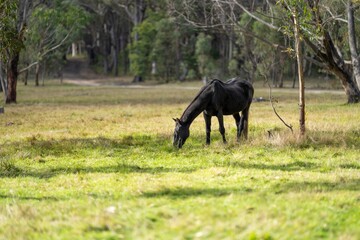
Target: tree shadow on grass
x: 352, y: 184
x: 288, y: 167
x: 15, y: 172
x: 31, y: 198
x: 294, y: 186
x: 37, y: 146
x: 182, y: 193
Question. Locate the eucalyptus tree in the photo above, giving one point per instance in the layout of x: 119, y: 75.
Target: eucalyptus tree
x: 323, y: 25
x: 13, y: 24
x: 319, y: 23
x: 8, y: 38
x: 135, y: 10
x: 101, y: 35
x: 53, y: 26
x: 174, y: 49
x: 319, y: 28
x: 226, y: 21
x: 203, y: 55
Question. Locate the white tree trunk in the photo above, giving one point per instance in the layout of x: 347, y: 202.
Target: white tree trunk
x: 355, y: 58
x: 74, y: 50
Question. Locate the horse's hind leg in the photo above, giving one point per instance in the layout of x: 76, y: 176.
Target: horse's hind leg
x: 244, y: 122
x: 237, y: 122
x: 221, y: 126
x: 207, y: 119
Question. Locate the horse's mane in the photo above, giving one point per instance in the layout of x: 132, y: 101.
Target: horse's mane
x: 199, y: 93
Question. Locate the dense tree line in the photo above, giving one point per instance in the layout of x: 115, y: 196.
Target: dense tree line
x: 181, y: 39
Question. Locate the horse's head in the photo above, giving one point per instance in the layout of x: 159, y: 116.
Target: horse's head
x: 181, y: 133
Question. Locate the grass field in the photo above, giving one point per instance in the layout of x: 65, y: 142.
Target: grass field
x: 98, y: 163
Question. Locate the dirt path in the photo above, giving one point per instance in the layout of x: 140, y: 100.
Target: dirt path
x: 78, y: 72
x: 78, y: 68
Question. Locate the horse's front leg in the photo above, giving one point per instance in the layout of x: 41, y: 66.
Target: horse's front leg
x: 221, y: 125
x: 208, y: 127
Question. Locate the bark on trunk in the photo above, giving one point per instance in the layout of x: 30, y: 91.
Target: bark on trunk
x: 3, y: 81
x: 350, y: 87
x: 12, y: 75
x: 37, y: 72
x: 300, y: 73
x: 327, y: 52
x: 352, y: 43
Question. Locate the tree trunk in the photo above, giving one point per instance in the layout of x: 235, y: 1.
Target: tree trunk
x: 351, y: 90
x: 12, y: 75
x: 43, y: 72
x: 3, y: 81
x: 139, y: 14
x: 300, y: 62
x: 12, y: 65
x: 74, y: 49
x: 330, y: 56
x: 294, y: 69
x: 124, y: 55
x: 37, y: 72
x: 26, y: 76
x: 116, y: 49
x: 281, y: 69
x: 352, y: 42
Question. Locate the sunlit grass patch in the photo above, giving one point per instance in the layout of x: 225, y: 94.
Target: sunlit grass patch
x: 98, y: 163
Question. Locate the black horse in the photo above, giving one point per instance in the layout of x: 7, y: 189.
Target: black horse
x: 217, y: 99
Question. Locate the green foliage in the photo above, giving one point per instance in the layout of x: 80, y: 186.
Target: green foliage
x: 163, y: 42
x: 305, y: 16
x: 52, y: 24
x: 140, y: 49
x: 203, y: 45
x: 10, y: 39
x: 257, y: 54
x: 233, y: 67
x: 164, y: 50
x: 52, y: 29
x: 203, y: 50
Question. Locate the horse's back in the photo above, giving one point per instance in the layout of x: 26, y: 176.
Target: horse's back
x: 232, y: 96
x: 241, y: 83
x: 240, y: 88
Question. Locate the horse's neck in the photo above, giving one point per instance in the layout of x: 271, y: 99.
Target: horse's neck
x: 193, y: 110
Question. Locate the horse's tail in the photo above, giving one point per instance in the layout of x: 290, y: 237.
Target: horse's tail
x: 245, y: 113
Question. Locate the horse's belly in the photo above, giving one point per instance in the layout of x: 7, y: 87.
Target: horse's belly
x: 225, y: 111
x: 231, y: 111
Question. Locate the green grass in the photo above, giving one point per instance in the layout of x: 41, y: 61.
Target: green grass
x: 98, y: 163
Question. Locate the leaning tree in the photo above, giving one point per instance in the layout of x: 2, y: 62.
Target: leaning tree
x: 319, y: 24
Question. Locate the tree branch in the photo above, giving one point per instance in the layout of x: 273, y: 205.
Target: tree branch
x: 273, y: 107
x: 28, y: 67
x: 46, y: 52
x: 254, y: 16
x: 240, y: 28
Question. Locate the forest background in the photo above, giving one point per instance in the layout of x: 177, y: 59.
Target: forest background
x: 169, y: 40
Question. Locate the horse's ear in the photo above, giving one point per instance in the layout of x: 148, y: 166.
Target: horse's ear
x: 177, y: 120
